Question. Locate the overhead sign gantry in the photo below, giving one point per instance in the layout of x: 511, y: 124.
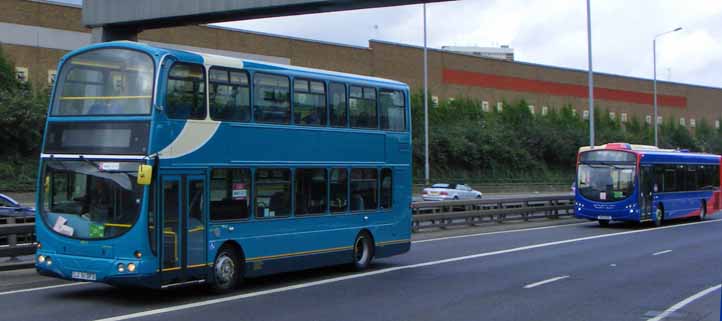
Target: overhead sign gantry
x: 123, y: 20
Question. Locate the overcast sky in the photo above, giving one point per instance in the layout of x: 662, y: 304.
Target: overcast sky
x: 551, y: 32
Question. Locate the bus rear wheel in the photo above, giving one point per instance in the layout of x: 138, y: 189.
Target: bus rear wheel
x: 226, y: 270
x: 363, y: 251
x: 658, y: 216
x: 703, y: 212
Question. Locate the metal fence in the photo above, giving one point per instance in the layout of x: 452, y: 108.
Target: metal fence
x: 17, y: 239
x: 428, y: 215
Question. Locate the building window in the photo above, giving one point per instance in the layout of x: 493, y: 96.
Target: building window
x: 682, y: 122
x: 574, y: 112
x: 230, y: 193
x: 623, y: 117
x: 310, y: 191
x: 532, y: 109
x: 338, y: 183
x: 22, y: 74
x: 612, y: 115
x: 545, y: 110
x: 392, y: 110
x: 485, y: 106
x: 692, y: 122
x: 716, y: 124
x: 585, y: 114
x: 451, y: 99
x: 272, y: 192
x: 648, y: 119
x: 271, y: 99
x: 434, y: 101
x: 186, y: 94
x: 364, y: 182
x: 51, y: 76
x: 499, y: 106
x: 338, y: 104
x: 362, y: 107
x: 659, y: 120
x: 386, y: 188
x: 309, y: 102
x: 229, y: 95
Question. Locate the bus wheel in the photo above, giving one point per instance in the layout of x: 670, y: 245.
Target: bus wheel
x: 703, y: 212
x: 363, y: 251
x: 604, y: 223
x: 226, y: 270
x: 658, y: 216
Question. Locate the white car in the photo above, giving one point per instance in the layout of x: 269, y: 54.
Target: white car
x: 445, y: 192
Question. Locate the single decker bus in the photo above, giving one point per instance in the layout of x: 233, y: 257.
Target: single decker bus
x: 163, y: 167
x: 624, y: 182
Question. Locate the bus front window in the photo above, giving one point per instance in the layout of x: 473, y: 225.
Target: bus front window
x: 606, y: 183
x: 88, y: 200
x: 105, y: 82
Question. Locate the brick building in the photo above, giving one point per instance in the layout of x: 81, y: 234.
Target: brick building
x: 36, y: 33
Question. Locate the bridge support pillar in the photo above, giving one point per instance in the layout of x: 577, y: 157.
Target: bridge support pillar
x: 104, y: 34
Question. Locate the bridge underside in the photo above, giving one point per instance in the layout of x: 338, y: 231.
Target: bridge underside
x: 123, y: 20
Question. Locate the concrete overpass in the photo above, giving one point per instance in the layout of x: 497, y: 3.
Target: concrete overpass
x: 123, y: 20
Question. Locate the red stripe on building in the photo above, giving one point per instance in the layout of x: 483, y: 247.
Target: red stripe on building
x: 467, y: 78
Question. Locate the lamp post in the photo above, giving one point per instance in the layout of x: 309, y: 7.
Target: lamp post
x: 654, y: 82
x: 426, y: 106
x: 590, y: 76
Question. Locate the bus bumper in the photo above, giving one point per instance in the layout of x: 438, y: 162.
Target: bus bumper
x: 93, y: 269
x: 593, y: 215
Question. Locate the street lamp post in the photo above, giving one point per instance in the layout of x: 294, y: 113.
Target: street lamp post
x: 590, y: 76
x: 426, y: 106
x: 654, y: 82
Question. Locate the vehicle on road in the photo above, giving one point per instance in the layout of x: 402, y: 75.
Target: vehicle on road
x: 162, y: 167
x: 624, y: 182
x: 11, y: 208
x: 445, y: 192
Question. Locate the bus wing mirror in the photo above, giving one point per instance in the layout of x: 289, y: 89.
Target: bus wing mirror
x: 145, y: 172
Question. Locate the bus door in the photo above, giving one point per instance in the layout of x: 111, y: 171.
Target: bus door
x: 645, y: 192
x: 183, y: 225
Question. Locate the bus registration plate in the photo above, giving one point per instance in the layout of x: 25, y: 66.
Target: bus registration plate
x: 604, y: 218
x: 84, y: 276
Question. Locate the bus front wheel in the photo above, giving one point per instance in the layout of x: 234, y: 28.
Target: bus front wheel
x: 226, y: 270
x: 363, y: 251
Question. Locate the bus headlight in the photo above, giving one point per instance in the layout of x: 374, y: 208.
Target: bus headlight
x: 138, y: 254
x: 41, y: 259
x: 121, y: 267
x: 131, y: 267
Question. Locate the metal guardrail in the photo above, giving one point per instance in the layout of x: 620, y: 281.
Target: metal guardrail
x: 17, y: 238
x: 17, y: 235
x: 477, y: 212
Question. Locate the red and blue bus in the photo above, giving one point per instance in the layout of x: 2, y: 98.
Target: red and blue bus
x: 163, y: 167
x: 624, y: 182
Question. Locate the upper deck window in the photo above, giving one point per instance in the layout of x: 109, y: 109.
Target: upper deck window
x: 338, y: 104
x: 309, y: 102
x: 186, y: 95
x: 105, y: 82
x: 362, y: 103
x: 230, y: 95
x: 272, y: 101
x: 393, y: 113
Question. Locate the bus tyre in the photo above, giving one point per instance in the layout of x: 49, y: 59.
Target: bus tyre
x: 658, y: 216
x: 703, y: 212
x: 363, y: 251
x: 604, y: 223
x: 226, y: 271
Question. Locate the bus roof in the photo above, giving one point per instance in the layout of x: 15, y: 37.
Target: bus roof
x: 225, y: 61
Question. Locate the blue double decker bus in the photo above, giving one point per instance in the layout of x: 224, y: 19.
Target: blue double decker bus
x: 624, y: 182
x: 163, y: 167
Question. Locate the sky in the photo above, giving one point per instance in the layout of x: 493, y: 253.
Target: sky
x: 549, y: 32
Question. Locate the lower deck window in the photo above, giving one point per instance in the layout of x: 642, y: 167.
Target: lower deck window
x: 230, y: 193
x: 273, y: 192
x: 364, y: 182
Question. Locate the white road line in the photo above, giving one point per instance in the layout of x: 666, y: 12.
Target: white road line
x: 382, y: 271
x: 684, y: 302
x: 661, y: 252
x: 497, y: 232
x: 42, y: 288
x: 533, y: 285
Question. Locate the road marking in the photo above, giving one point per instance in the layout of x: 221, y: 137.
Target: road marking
x: 684, y: 302
x: 662, y: 252
x: 533, y: 285
x: 497, y: 232
x: 381, y: 271
x: 41, y: 288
